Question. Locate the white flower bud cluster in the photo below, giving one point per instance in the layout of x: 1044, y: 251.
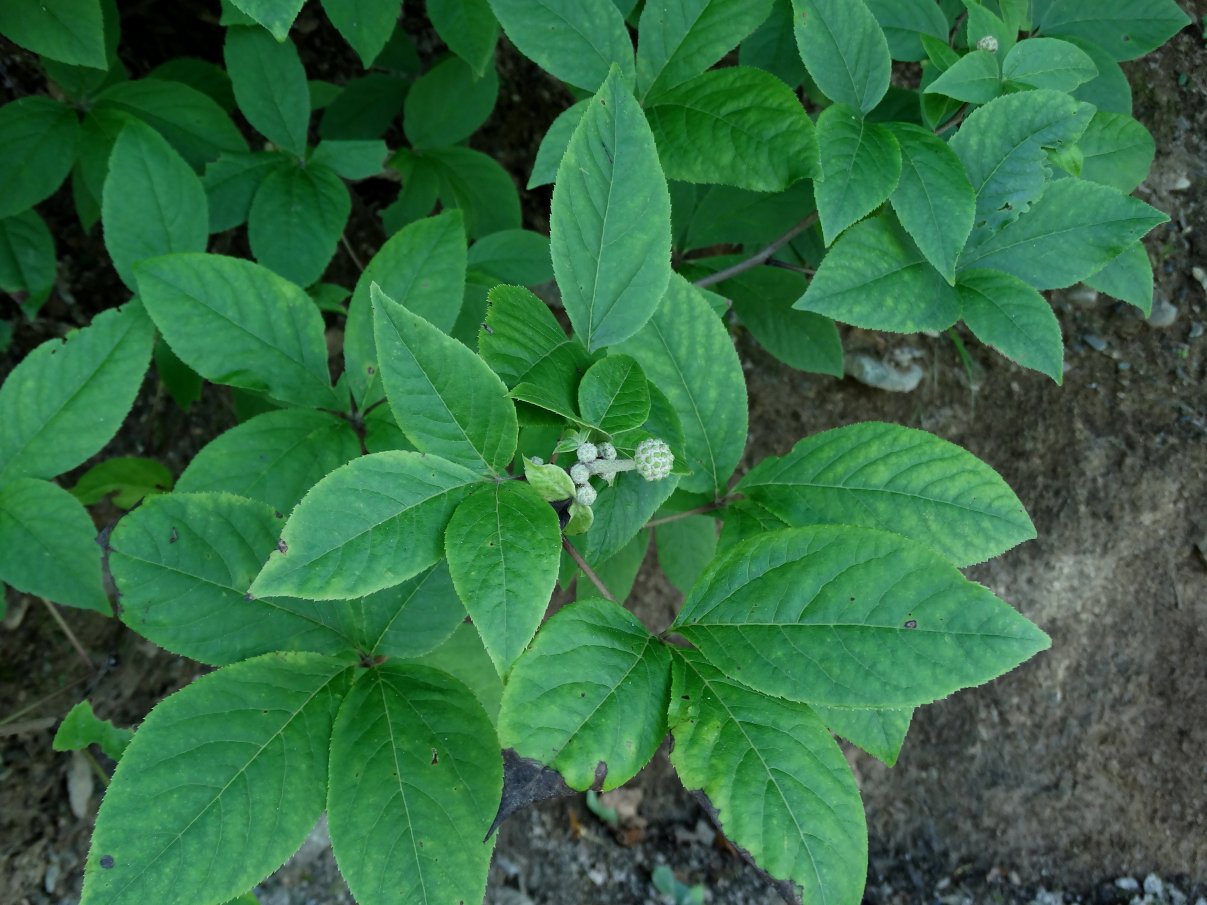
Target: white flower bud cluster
x: 654, y: 459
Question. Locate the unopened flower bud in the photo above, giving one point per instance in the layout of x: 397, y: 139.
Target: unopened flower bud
x: 653, y: 459
x: 988, y: 42
x: 579, y: 473
x: 607, y: 451
x: 585, y: 496
x: 587, y: 452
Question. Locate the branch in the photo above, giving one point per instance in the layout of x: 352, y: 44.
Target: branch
x: 587, y: 570
x: 760, y: 257
x: 955, y: 120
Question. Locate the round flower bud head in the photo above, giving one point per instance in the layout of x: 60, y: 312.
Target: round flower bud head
x: 607, y: 451
x: 989, y: 43
x: 586, y: 495
x: 579, y: 473
x: 587, y: 452
x: 653, y: 459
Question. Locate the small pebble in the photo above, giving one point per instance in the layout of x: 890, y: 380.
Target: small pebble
x: 1196, y: 330
x: 1097, y: 343
x: 1180, y: 184
x: 1124, y: 366
x: 1153, y: 885
x: 871, y: 372
x: 1082, y: 294
x: 1201, y: 275
x: 1128, y: 884
x: 1164, y: 312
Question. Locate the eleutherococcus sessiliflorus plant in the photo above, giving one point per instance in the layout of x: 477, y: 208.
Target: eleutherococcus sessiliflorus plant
x: 368, y: 563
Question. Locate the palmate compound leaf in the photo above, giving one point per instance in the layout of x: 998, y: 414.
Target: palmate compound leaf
x: 686, y: 353
x: 778, y: 780
x: 1074, y: 230
x: 445, y: 398
x: 576, y: 40
x: 274, y: 457
x: 860, y: 163
x: 153, y: 203
x: 844, y: 50
x: 369, y: 525
x: 415, y: 780
x: 237, y: 323
x: 851, y: 617
x: 610, y: 222
x: 1006, y: 313
x: 737, y: 126
x: 182, y: 563
x: 49, y: 544
x: 875, y: 277
x: 68, y: 397
x: 221, y: 783
x: 593, y: 689
x: 503, y: 545
x: 678, y: 41
x: 896, y: 478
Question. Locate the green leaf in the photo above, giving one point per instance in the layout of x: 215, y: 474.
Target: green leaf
x: 184, y: 815
x: 359, y: 159
x: 274, y: 457
x: 876, y: 278
x: 67, y: 398
x: 431, y: 121
x: 973, y: 79
x: 1116, y: 151
x: 477, y: 184
x: 182, y: 563
x: 191, y: 122
x: 1126, y: 29
x: 614, y: 395
x: 933, y: 199
x: 296, y: 219
x: 464, y: 658
x: 553, y: 145
x: 851, y: 617
x: 368, y: 525
x: 772, y: 46
x: 230, y: 184
x: 71, y: 31
x: 591, y: 693
x: 128, y: 478
x: 503, y: 548
x: 27, y: 259
x: 237, y: 323
x: 981, y: 22
x: 513, y: 256
x: 1006, y: 313
x: 550, y: 481
x: 445, y: 398
x: 685, y: 548
x: 861, y: 163
x: 844, y: 50
x: 365, y: 24
x: 81, y: 728
x: 49, y: 543
x: 762, y: 300
x: 270, y: 86
x: 208, y: 78
x: 619, y: 572
x: 521, y: 334
x: 1004, y: 146
x: 903, y: 480
x: 408, y: 620
x: 610, y: 224
x: 153, y: 203
x: 365, y: 108
x: 1074, y: 230
x: 905, y: 21
x: 1048, y: 63
x: 737, y: 126
x: 679, y: 41
x: 275, y: 15
x: 779, y: 783
x: 469, y: 29
x: 422, y: 266
x: 1109, y: 92
x: 880, y: 733
x: 727, y: 215
x: 576, y: 41
x: 415, y: 781
x: 37, y: 147
x: 686, y: 352
x: 1129, y: 278
x: 621, y: 511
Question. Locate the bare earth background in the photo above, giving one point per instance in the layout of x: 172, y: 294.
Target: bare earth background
x: 1070, y: 779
